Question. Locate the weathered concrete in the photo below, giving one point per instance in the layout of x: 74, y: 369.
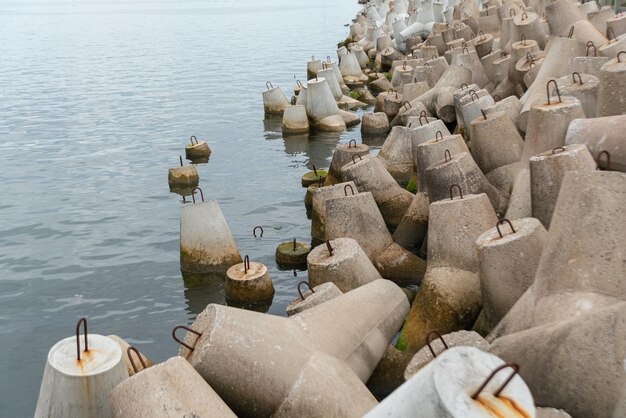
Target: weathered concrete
x: 601, y: 134
x: 124, y: 346
x: 197, y: 150
x: 585, y: 88
x: 396, y: 154
x: 274, y: 100
x: 431, y: 151
x: 400, y: 266
x: 206, y: 243
x: 444, y: 389
x: 183, y: 176
x: 321, y: 106
x: 411, y: 230
x: 389, y: 373
x: 511, y: 106
x: 495, y: 141
x: 576, y: 364
x: 508, y: 264
x: 344, y: 154
x: 562, y: 15
x: 79, y: 388
x: 454, y: 339
x: 348, y: 267
x: 291, y: 254
x: 318, y: 212
x: 375, y: 124
x: 295, y: 120
x: 169, y: 389
x: 317, y: 295
x: 546, y: 174
x: 520, y: 205
x: 248, y: 282
x: 612, y: 94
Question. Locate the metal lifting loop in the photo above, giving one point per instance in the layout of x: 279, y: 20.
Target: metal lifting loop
x: 571, y: 32
x: 474, y: 94
x: 193, y: 137
x: 356, y: 155
x: 254, y: 231
x: 315, y: 170
x: 420, y: 120
x: 438, y: 136
x: 512, y: 13
x: 269, y: 85
x: 180, y: 158
x: 446, y: 155
x: 580, y: 79
x: 406, y: 102
x: 618, y: 55
x: 300, y: 291
x: 500, y: 222
x: 465, y: 50
x: 176, y: 328
x: 246, y: 264
x: 483, y: 112
x: 299, y: 83
x: 555, y: 88
x: 345, y: 189
x: 557, y: 150
x: 132, y: 362
x: 524, y: 16
x: 591, y: 45
x: 352, y: 141
x: 529, y: 57
x: 83, y: 321
x: 515, y: 368
x: 452, y: 188
x: 523, y: 39
x: 428, y: 341
x: 608, y: 159
x: 463, y: 86
x: 193, y: 194
x: 329, y: 247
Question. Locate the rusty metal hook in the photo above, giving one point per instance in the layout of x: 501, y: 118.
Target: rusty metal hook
x: 524, y: 16
x: 329, y: 247
x: 438, y: 136
x: 474, y: 94
x: 406, y: 102
x: 299, y: 83
x: 192, y: 139
x: 608, y: 159
x: 176, y: 328
x: 356, y: 155
x: 180, y: 158
x: 496, y: 98
x: 523, y: 39
x: 345, y: 189
x: 300, y: 291
x: 512, y: 13
x: 420, y: 120
x: 618, y: 54
x: 500, y: 222
x: 556, y: 87
x: 428, y: 341
x: 315, y: 170
x: 246, y: 264
x: 254, y: 231
x: 269, y: 85
x: 515, y: 368
x: 571, y: 32
x: 483, y: 112
x: 557, y: 150
x: 446, y: 155
x: 452, y: 188
x: 132, y: 362
x: 351, y: 142
x: 83, y: 321
x: 463, y: 84
x: 465, y: 50
x: 193, y: 194
x: 591, y: 45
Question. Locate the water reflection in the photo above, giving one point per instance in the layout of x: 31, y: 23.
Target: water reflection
x: 203, y: 289
x: 260, y: 306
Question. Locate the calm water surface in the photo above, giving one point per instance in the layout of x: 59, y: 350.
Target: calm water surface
x: 97, y: 99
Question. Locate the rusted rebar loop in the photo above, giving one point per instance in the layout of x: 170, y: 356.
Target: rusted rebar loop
x: 556, y: 87
x: 452, y: 188
x: 571, y: 32
x: 529, y: 57
x: 438, y: 136
x: 591, y: 45
x: 329, y: 247
x: 246, y: 264
x: 294, y: 245
x: 193, y: 194
x: 481, y: 34
x: 300, y: 290
x: 524, y: 16
x: 557, y: 150
x: 299, y: 83
x: 254, y: 231
x: 425, y: 118
x: 523, y: 39
x: 405, y: 103
x: 446, y: 155
x: 176, y: 328
x: 314, y: 170
x: 180, y: 159
x: 83, y: 321
x: 500, y: 222
x: 428, y: 341
x: 192, y: 138
x: 483, y: 112
x: 132, y: 362
x: 515, y: 368
x: 474, y: 94
x: 269, y: 85
x: 609, y: 31
x: 618, y: 55
x: 465, y: 50
x: 356, y: 155
x: 345, y: 189
x: 464, y: 86
x: 503, y: 55
x: 608, y: 159
x: 580, y: 79
x: 496, y: 98
x: 324, y: 65
x: 352, y: 141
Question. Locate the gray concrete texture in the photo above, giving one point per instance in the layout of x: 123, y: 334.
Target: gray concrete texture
x: 317, y: 295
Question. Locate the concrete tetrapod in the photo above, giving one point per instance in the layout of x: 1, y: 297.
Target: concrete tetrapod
x: 449, y: 296
x: 183, y: 176
x: 411, y: 230
x: 495, y: 141
x: 375, y: 124
x: 344, y: 154
x: 313, y: 297
x: 370, y: 175
x: 509, y: 256
x: 78, y: 378
x: 396, y: 154
x: 584, y: 87
x: 601, y: 135
x: 612, y: 94
x: 169, y: 389
x: 318, y: 211
x: 439, y: 100
x: 340, y: 261
x: 322, y: 108
x: 578, y: 272
x: 461, y: 170
x: 197, y: 149
x: 206, y: 243
x: 438, y: 344
x: 248, y: 282
x: 295, y: 120
x: 511, y: 106
x: 576, y: 364
x: 450, y: 387
x: 471, y: 107
x: 546, y: 174
x: 274, y: 100
x: 127, y: 360
x: 430, y: 152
